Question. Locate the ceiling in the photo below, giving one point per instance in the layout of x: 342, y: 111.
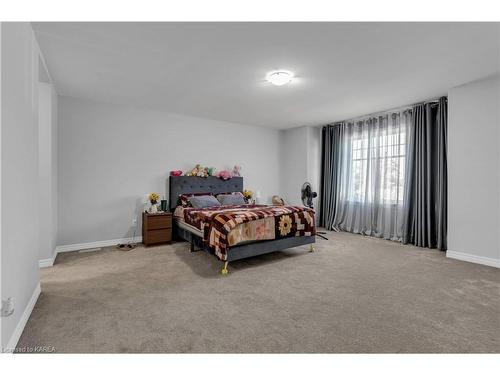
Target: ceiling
x: 217, y: 70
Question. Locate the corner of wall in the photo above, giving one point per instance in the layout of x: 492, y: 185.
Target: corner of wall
x: 474, y: 171
x: 19, y: 169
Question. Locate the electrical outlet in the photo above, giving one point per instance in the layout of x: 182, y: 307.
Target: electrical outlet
x: 7, y: 307
x: 134, y: 222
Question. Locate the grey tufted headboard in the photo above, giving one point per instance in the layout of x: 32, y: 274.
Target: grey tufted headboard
x: 190, y: 184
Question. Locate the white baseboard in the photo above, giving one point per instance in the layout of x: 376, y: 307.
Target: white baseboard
x: 16, y: 335
x: 49, y: 262
x: 473, y: 258
x: 91, y: 245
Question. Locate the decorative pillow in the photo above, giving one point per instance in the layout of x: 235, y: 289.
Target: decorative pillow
x: 238, y: 193
x: 184, y: 198
x: 232, y: 198
x: 202, y: 201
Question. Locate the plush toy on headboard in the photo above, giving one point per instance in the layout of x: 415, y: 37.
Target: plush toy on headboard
x: 225, y: 175
x: 198, y: 171
x: 236, y: 171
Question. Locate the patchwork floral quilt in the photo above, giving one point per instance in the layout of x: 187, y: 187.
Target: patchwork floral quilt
x: 227, y: 226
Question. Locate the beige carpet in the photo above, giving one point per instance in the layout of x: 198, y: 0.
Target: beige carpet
x: 354, y: 294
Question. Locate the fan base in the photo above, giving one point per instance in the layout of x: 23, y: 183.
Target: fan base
x: 320, y: 234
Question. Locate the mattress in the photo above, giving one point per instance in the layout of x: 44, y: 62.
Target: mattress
x: 182, y: 224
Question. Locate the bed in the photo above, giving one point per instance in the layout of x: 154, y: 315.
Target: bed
x: 211, y: 229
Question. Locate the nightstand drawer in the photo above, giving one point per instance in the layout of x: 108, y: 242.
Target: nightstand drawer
x: 159, y: 235
x: 159, y: 222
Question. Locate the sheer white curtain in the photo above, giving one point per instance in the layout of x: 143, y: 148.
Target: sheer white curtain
x: 372, y: 183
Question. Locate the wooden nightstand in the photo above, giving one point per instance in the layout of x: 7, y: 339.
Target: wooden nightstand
x: 156, y: 228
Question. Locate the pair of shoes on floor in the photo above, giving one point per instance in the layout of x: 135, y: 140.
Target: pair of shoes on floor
x: 127, y: 247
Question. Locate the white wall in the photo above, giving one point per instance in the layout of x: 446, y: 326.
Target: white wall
x: 474, y: 172
x: 1, y: 183
x: 300, y: 155
x: 293, y: 156
x: 314, y: 162
x: 55, y: 175
x: 19, y: 171
x: 47, y: 171
x: 110, y: 156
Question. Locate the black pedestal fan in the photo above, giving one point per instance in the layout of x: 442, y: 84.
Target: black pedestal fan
x: 307, y: 196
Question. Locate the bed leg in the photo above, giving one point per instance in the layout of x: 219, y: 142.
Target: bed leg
x: 311, y: 248
x: 192, y: 247
x: 224, y: 270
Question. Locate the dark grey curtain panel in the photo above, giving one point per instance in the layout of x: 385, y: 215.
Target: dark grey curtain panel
x: 426, y: 191
x: 331, y: 159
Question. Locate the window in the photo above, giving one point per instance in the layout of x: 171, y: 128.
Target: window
x: 378, y: 162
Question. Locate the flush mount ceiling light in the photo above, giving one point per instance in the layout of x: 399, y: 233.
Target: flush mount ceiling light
x: 279, y: 77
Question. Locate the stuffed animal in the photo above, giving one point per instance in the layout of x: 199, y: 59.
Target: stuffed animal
x: 203, y: 172
x: 236, y: 171
x: 193, y: 171
x: 198, y: 171
x: 175, y: 173
x: 278, y: 201
x: 211, y: 171
x: 225, y: 175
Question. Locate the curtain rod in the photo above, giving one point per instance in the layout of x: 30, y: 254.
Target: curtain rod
x: 397, y: 109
